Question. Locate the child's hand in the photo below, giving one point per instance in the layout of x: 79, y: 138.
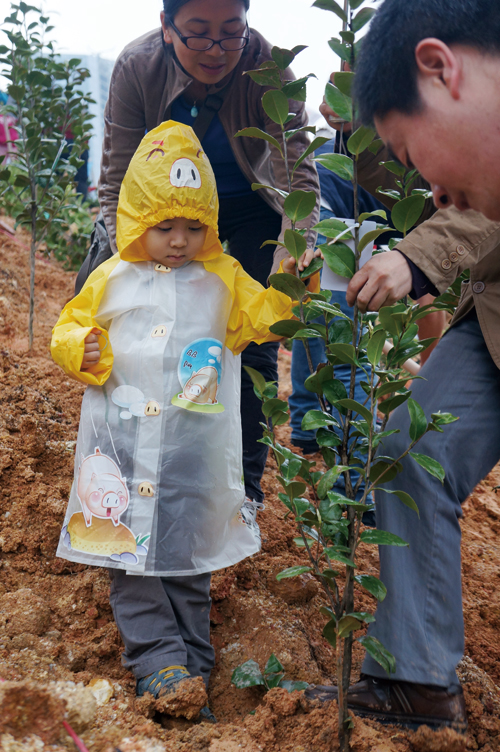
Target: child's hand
x: 304, y: 261
x: 92, y: 353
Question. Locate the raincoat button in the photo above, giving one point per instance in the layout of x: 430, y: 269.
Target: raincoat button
x: 461, y: 250
x: 446, y: 263
x: 454, y: 256
x: 478, y: 287
x: 162, y: 268
x: 146, y: 489
x: 159, y: 331
x: 152, y: 408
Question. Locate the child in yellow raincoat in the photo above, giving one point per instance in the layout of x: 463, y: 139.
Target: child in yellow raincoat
x: 156, y: 333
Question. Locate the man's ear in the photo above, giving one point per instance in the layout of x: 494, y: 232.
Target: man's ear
x: 439, y: 64
x: 167, y: 31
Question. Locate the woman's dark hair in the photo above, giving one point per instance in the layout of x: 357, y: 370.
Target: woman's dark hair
x: 386, y: 73
x: 171, y: 7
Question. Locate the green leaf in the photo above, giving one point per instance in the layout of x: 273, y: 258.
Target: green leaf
x: 360, y: 140
x: 377, y: 651
x: 388, y: 405
x: 344, y: 353
x: 376, y: 213
x: 314, y: 382
x: 406, y: 212
x: 332, y: 227
x: 344, y: 80
x: 338, y: 102
x: 340, y: 259
x: 443, y: 419
x: 271, y: 405
x: 337, y: 163
x: 381, y: 538
x: 327, y: 482
x: 380, y: 467
x: 307, y: 334
x: 389, y: 387
x: 275, y: 105
x: 326, y: 438
x: 292, y: 686
x: 299, y: 205
x: 289, y: 285
x: 418, y: 425
x: 315, y: 266
x: 292, y: 572
x: 342, y: 50
x: 432, y: 466
x: 362, y: 18
x: 295, y: 243
x: 286, y: 328
x: 316, y: 419
x: 404, y: 497
x: 395, y: 167
x: 375, y: 346
x: 315, y: 144
x: 334, y: 390
x: 369, y: 237
x: 266, y: 75
x: 273, y: 666
x: 258, y: 379
x: 258, y: 133
x: 363, y: 616
x: 374, y: 586
x: 335, y: 555
x: 258, y: 186
x: 247, y: 675
x: 332, y: 6
x: 348, y: 624
x: 356, y: 407
x: 330, y: 633
x: 354, y: 4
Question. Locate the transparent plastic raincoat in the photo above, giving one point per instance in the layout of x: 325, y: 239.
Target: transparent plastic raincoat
x: 158, y: 474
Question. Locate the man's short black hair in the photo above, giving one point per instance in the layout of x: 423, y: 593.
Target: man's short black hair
x: 386, y: 72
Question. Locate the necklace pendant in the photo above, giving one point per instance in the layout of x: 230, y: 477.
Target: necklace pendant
x: 194, y: 111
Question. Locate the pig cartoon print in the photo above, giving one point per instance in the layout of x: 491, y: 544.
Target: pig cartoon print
x: 101, y: 489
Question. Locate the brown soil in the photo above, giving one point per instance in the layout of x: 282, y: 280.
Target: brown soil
x: 60, y: 649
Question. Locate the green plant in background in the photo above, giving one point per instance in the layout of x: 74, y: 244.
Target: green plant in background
x: 329, y: 522
x: 250, y: 675
x: 49, y: 106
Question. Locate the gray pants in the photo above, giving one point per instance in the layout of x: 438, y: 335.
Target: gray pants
x: 421, y: 621
x: 163, y: 621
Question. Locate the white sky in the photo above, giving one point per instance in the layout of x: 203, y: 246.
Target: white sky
x: 104, y: 27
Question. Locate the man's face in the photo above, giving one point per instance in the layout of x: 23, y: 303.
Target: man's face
x: 454, y: 140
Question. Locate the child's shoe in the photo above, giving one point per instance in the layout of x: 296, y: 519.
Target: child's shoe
x: 161, y: 682
x: 207, y: 715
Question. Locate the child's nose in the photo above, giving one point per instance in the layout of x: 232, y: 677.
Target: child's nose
x: 178, y: 240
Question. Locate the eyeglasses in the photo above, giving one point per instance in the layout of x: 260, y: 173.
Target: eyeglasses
x: 202, y: 44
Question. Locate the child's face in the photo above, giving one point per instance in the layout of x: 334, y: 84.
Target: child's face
x: 174, y: 242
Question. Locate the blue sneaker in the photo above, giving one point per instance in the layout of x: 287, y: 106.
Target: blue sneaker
x: 161, y: 682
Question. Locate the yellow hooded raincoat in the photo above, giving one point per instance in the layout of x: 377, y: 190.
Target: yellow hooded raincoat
x: 158, y: 478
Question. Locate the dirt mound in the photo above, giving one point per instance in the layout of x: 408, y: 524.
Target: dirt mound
x: 56, y: 627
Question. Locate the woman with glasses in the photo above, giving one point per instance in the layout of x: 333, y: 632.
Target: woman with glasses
x: 194, y: 63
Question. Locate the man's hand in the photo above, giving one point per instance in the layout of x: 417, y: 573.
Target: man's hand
x: 92, y: 353
x: 304, y: 261
x: 381, y: 281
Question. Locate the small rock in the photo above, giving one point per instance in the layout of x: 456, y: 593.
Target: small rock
x: 22, y: 611
x: 102, y: 689
x: 189, y: 698
x: 293, y: 589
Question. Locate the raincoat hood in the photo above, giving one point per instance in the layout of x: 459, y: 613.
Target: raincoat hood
x: 169, y: 176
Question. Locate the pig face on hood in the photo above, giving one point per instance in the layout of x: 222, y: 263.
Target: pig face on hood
x: 169, y: 176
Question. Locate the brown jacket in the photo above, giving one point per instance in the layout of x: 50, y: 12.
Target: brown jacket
x: 446, y: 244
x: 146, y: 79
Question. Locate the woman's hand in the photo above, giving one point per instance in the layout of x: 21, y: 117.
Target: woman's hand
x: 92, y: 352
x: 304, y: 261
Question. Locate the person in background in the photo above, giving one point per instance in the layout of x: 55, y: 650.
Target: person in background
x: 192, y: 69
